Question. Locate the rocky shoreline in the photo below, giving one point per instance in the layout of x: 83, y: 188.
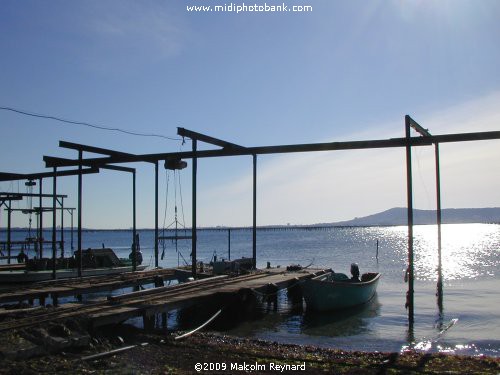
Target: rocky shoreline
x: 126, y: 350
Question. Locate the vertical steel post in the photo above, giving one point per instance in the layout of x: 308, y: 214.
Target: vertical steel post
x: 156, y: 214
x: 9, y: 228
x: 254, y: 225
x: 79, y: 249
x: 134, y: 227
x: 54, y: 222
x: 193, y: 229
x: 229, y: 243
x: 40, y: 235
x: 62, y: 227
x: 409, y: 182
x: 438, y: 219
x: 71, y: 212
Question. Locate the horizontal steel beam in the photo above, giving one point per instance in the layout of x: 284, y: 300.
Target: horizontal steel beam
x: 36, y: 176
x: 207, y: 139
x: 23, y: 195
x: 312, y: 147
x: 37, y: 209
x: 95, y: 150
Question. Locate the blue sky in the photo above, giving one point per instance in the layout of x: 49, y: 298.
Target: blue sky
x: 347, y: 70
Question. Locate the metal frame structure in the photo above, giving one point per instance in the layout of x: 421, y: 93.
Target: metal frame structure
x: 230, y: 149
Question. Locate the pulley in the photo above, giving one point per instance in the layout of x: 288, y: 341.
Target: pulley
x: 175, y: 164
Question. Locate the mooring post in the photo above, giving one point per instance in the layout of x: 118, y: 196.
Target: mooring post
x: 254, y: 226
x: 438, y: 219
x: 409, y: 297
x: 54, y: 223
x: 193, y: 229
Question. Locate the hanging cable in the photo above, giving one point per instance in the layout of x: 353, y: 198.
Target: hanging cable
x: 101, y: 127
x: 182, y: 204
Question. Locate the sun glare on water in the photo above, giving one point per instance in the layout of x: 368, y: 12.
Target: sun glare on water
x: 469, y: 251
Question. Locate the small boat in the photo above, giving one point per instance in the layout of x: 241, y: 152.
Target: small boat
x: 335, y: 291
x: 95, y: 262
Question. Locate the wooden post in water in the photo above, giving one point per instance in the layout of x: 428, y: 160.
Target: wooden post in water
x: 409, y: 187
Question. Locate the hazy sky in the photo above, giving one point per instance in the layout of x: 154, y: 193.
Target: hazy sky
x: 348, y: 70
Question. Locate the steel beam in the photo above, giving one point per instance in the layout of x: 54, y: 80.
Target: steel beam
x: 207, y: 139
x: 312, y: 147
x: 35, y: 176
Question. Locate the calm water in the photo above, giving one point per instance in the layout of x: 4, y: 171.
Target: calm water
x: 470, y: 323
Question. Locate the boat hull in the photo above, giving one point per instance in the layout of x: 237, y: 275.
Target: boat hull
x: 321, y: 294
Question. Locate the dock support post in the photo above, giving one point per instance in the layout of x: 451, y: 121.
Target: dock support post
x: 438, y: 219
x: 79, y: 249
x: 409, y: 182
x: 148, y: 321
x: 254, y: 226
x: 54, y: 223
x: 164, y: 320
x: 193, y: 229
x: 156, y: 214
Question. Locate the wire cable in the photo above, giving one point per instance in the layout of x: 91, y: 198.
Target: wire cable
x: 49, y: 117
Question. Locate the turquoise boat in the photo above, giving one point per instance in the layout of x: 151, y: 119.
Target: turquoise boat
x: 335, y: 291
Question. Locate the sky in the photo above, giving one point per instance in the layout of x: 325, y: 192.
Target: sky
x: 346, y: 70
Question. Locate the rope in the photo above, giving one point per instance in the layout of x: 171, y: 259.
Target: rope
x: 182, y: 204
x: 200, y: 327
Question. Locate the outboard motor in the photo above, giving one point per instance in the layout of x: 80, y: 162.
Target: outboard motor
x: 354, y: 272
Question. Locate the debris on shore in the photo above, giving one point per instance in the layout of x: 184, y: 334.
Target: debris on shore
x: 129, y: 350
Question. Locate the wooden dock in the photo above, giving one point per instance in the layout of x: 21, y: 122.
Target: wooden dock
x: 56, y: 289
x: 147, y: 303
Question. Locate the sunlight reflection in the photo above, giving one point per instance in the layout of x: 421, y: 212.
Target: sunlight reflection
x: 466, y: 249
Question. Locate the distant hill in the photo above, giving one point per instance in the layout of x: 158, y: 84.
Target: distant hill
x: 398, y: 216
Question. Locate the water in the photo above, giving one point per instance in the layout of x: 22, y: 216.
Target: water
x: 470, y: 320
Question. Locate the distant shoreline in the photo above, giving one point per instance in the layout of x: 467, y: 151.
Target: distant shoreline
x: 262, y: 228
x: 393, y: 217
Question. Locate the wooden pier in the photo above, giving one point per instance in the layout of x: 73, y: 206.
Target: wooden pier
x: 147, y: 303
x: 56, y: 289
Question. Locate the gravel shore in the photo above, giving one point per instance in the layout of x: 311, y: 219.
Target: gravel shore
x: 130, y: 351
